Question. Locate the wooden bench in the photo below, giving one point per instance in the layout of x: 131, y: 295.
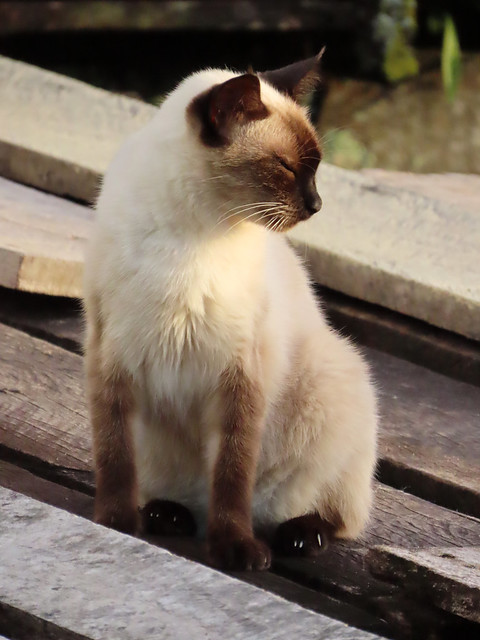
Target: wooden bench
x: 392, y: 582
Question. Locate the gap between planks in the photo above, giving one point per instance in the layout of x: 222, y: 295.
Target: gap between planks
x: 51, y: 405
x: 430, y: 425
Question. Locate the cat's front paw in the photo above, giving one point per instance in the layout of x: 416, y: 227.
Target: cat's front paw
x: 306, y: 536
x: 238, y: 553
x: 167, y: 518
x: 126, y: 520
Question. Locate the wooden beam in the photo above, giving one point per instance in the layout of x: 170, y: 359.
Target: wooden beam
x: 43, y: 412
x: 430, y: 433
x: 430, y: 424
x: 60, y: 134
x: 43, y: 418
x: 198, y: 15
x: 42, y: 242
x: 448, y: 578
x: 23, y: 481
x: 83, y: 579
x: 395, y: 247
x: 404, y: 337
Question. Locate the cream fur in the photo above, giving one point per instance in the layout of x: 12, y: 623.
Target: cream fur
x: 180, y: 296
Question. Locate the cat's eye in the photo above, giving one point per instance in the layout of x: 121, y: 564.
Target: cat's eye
x: 286, y: 166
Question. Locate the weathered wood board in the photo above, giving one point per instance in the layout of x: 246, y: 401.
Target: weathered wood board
x: 58, y: 320
x: 450, y: 578
x: 430, y: 424
x: 43, y: 412
x: 404, y: 337
x: 430, y: 433
x: 60, y: 134
x: 393, y: 247
x: 411, y: 253
x: 44, y: 421
x: 283, y: 15
x: 98, y: 583
x: 24, y: 481
x: 454, y: 189
x: 42, y: 241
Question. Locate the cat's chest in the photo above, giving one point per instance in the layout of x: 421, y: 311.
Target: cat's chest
x: 200, y: 305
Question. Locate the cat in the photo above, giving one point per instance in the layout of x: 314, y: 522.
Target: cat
x: 219, y: 395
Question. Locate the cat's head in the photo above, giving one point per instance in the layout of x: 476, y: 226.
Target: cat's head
x: 261, y: 152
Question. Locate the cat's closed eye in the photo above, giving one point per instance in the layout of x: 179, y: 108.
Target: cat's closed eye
x: 286, y: 166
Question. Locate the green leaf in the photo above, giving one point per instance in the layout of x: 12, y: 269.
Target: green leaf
x: 451, y: 56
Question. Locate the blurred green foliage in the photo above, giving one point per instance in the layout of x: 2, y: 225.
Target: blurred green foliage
x: 343, y: 148
x: 451, y: 58
x: 395, y: 26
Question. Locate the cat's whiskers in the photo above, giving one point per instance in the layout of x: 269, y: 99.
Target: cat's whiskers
x: 240, y: 209
x: 213, y: 178
x: 261, y: 214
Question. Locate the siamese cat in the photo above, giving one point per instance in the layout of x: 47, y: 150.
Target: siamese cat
x: 218, y: 394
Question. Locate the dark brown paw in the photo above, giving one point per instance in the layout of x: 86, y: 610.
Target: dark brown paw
x: 125, y: 520
x: 167, y: 518
x: 239, y: 554
x: 306, y: 536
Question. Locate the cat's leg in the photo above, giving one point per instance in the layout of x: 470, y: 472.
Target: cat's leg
x: 230, y: 539
x: 167, y: 518
x: 329, y: 484
x: 111, y: 405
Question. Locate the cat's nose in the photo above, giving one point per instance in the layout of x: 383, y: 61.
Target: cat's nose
x: 313, y: 202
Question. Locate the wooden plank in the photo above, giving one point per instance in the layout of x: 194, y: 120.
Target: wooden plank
x: 47, y: 413
x: 343, y: 570
x: 452, y: 188
x: 404, y: 337
x: 430, y: 427
x: 42, y: 241
x: 450, y: 578
x: 430, y: 433
x: 23, y: 481
x: 55, y: 561
x: 60, y: 134
x: 394, y: 247
x: 43, y: 412
x: 57, y: 320
x: 409, y: 252
x: 438, y: 460
x: 186, y: 14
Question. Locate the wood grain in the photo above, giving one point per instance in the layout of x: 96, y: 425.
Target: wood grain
x: 449, y: 578
x: 430, y: 424
x: 60, y: 134
x: 394, y: 247
x: 43, y: 415
x: 93, y: 582
x: 404, y: 337
x: 408, y: 252
x: 43, y: 411
x: 42, y: 241
x: 23, y: 481
x: 56, y: 319
x: 430, y: 433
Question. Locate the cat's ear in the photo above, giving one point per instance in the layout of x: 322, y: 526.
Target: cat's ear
x: 298, y: 79
x: 236, y: 101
